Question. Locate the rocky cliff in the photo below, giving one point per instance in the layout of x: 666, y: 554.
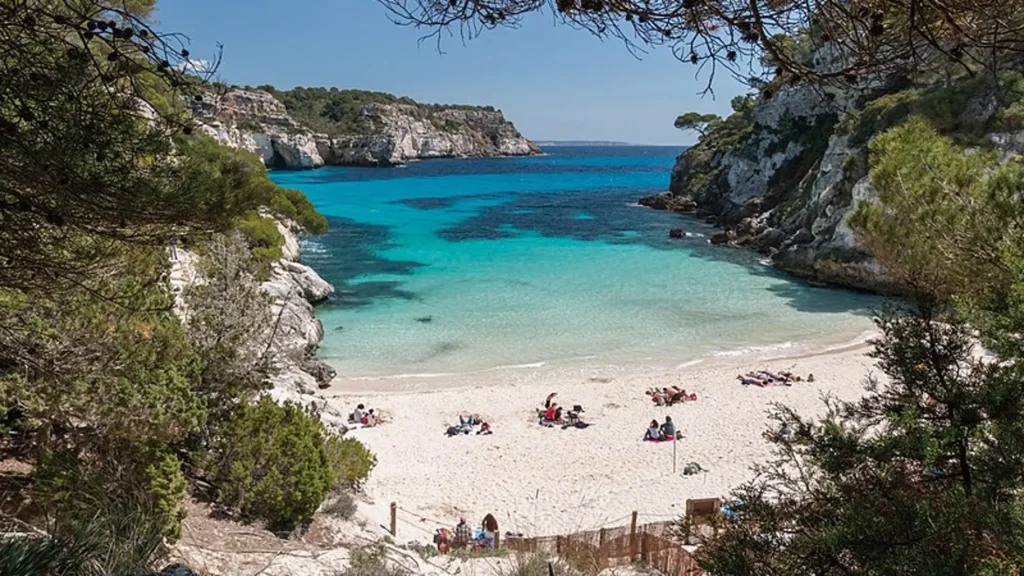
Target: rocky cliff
x: 255, y: 120
x: 295, y: 375
x: 785, y: 172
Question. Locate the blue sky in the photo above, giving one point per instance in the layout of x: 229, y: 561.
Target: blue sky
x: 555, y: 83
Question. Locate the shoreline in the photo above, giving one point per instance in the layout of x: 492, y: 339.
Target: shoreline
x: 558, y: 369
x: 543, y: 481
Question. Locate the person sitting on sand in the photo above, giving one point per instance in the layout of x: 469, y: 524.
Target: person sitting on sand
x: 370, y: 420
x: 357, y: 414
x: 551, y: 412
x: 490, y: 530
x: 462, y: 534
x: 653, y: 432
x: 484, y: 430
x: 668, y: 429
x: 810, y: 378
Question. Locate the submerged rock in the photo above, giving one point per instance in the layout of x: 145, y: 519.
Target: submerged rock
x: 676, y: 233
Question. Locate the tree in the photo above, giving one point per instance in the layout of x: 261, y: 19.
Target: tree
x: 921, y: 476
x: 697, y: 122
x: 863, y: 39
x: 228, y: 321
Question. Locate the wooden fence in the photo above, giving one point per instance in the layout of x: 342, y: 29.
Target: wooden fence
x: 595, y: 550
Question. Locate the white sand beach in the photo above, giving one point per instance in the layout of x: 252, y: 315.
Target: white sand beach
x: 542, y: 481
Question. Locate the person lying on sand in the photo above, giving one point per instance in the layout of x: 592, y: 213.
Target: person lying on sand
x: 749, y: 380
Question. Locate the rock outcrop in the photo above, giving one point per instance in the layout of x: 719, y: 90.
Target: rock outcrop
x: 254, y: 120
x: 783, y: 174
x: 295, y: 375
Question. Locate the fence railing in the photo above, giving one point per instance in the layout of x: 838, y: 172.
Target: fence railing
x: 596, y: 550
x: 656, y: 544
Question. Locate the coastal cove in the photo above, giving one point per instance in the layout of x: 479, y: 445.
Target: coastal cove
x: 447, y: 269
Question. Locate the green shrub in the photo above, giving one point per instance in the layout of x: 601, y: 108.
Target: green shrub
x: 372, y: 561
x: 272, y: 462
x: 293, y: 204
x: 352, y: 460
x: 262, y: 236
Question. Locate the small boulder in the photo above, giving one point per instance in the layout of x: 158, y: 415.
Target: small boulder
x: 711, y: 219
x: 804, y: 236
x: 659, y: 201
x: 676, y: 233
x: 322, y: 373
x: 720, y: 238
x: 770, y: 238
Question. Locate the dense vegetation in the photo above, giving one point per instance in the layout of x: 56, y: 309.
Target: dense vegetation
x: 922, y: 475
x: 340, y: 112
x: 109, y: 403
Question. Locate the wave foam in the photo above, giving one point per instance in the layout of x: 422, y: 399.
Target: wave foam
x: 752, y: 350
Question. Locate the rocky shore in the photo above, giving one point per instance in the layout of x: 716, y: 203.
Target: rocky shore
x: 295, y: 375
x: 254, y: 120
x: 784, y: 174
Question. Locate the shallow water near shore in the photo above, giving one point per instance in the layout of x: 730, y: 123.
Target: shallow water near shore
x: 461, y: 266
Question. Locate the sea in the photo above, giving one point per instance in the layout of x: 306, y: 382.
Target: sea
x: 462, y: 266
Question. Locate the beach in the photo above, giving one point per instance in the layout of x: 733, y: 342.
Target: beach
x: 545, y: 481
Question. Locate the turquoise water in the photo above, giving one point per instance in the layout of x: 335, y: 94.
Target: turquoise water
x: 453, y: 266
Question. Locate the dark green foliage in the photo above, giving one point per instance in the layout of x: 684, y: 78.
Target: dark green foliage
x: 263, y: 237
x: 696, y: 121
x: 339, y: 112
x: 274, y: 463
x: 702, y: 178
x: 955, y: 109
x: 293, y: 204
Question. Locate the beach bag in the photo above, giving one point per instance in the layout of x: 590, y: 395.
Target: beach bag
x: 691, y: 469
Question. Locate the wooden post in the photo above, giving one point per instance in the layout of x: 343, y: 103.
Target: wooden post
x: 632, y: 538
x: 394, y: 519
x: 558, y: 545
x: 674, y: 442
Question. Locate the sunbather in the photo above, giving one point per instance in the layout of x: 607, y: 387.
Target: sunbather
x: 749, y: 380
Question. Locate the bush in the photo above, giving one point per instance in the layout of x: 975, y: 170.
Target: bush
x: 262, y: 236
x: 293, y: 204
x: 341, y: 505
x: 272, y: 462
x: 352, y: 461
x: 372, y: 561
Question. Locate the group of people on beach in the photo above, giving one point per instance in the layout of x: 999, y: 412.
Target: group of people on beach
x: 551, y: 414
x: 764, y: 378
x: 669, y: 396
x: 664, y: 432
x: 463, y: 536
x: 363, y: 416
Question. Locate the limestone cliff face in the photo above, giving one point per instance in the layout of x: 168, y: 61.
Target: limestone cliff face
x: 295, y: 375
x: 257, y: 122
x: 783, y: 176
